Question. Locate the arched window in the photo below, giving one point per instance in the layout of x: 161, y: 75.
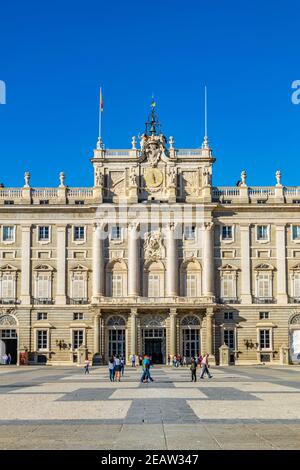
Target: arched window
x: 190, y: 329
x: 116, y: 320
x: 190, y: 320
x: 116, y: 335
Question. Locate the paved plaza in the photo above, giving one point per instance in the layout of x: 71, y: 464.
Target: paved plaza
x: 61, y: 408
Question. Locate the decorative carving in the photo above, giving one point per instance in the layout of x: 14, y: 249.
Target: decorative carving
x: 295, y: 320
x: 133, y: 143
x: 172, y: 175
x: 27, y: 179
x: 116, y: 320
x: 153, y: 245
x: 171, y: 142
x: 190, y: 320
x: 153, y: 148
x: 133, y: 177
x: 243, y: 178
x: 7, y: 320
x: 99, y: 178
x: 190, y: 183
x: 278, y: 178
x: 207, y: 177
x: 150, y: 320
x: 61, y: 179
x: 117, y: 182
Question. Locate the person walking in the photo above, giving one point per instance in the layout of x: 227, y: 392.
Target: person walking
x: 122, y: 360
x: 8, y: 359
x: 205, y: 367
x: 146, y: 370
x: 87, y: 367
x: 111, y: 368
x: 118, y: 368
x: 193, y: 369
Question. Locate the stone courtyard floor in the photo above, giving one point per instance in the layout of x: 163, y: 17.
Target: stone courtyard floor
x: 61, y: 408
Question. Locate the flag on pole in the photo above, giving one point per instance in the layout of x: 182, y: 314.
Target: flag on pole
x: 101, y: 101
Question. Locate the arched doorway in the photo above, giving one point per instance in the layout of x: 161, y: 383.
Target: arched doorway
x: 294, y: 338
x: 154, y: 337
x: 116, y: 336
x: 190, y: 331
x: 8, y: 338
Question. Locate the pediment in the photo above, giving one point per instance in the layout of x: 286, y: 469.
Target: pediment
x: 79, y: 267
x: 8, y: 267
x: 228, y: 267
x: 264, y: 267
x: 296, y: 267
x: 44, y: 267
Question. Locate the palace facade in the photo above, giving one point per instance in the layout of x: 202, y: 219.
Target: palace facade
x: 152, y: 259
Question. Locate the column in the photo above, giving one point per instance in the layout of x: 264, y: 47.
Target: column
x: 208, y: 259
x: 281, y: 265
x: 133, y: 315
x: 133, y: 260
x: 246, y: 296
x: 25, y: 265
x: 209, y: 334
x: 98, y: 262
x: 171, y: 263
x: 97, y: 320
x: 61, y: 265
x: 173, y: 315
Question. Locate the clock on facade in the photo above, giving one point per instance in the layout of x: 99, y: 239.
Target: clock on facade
x: 153, y: 177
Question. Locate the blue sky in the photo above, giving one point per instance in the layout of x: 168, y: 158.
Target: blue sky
x: 55, y: 55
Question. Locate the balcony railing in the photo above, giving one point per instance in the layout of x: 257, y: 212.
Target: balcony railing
x: 264, y: 300
x: 8, y: 301
x: 77, y: 301
x: 294, y: 300
x: 229, y: 300
x: 43, y: 301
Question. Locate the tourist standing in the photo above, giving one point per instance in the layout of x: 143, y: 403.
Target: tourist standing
x: 205, y: 367
x: 122, y: 360
x: 118, y: 367
x: 8, y: 359
x: 133, y: 358
x: 111, y: 368
x: 193, y: 369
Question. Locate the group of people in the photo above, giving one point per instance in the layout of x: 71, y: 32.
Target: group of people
x: 201, y: 361
x: 177, y: 360
x: 6, y: 359
x: 116, y: 367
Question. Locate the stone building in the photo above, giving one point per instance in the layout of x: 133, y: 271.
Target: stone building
x: 152, y: 259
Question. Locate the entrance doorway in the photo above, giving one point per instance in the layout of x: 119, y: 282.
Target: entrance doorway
x: 8, y: 345
x: 154, y: 344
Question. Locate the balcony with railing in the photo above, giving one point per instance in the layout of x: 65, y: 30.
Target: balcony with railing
x: 9, y: 301
x: 264, y: 300
x: 42, y: 301
x: 77, y: 301
x: 294, y: 300
x: 229, y: 300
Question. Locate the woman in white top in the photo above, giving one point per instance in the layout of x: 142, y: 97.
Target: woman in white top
x: 111, y: 368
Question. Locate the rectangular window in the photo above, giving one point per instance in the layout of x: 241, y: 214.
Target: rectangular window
x: 191, y: 285
x: 117, y: 285
x: 44, y: 202
x: 263, y: 315
x: 297, y: 286
x: 264, y: 339
x: 79, y: 203
x: 227, y: 286
x: 116, y: 233
x: 77, y: 316
x: 296, y: 232
x: 77, y: 338
x: 8, y: 233
x: 78, y: 286
x: 42, y: 316
x: 227, y: 232
x: 44, y: 233
x: 42, y: 340
x: 153, y: 285
x: 7, y: 286
x: 228, y: 315
x: 79, y: 233
x: 229, y: 338
x: 43, y: 286
x: 263, y: 286
x: 190, y: 232
x: 9, y: 203
x: 262, y: 232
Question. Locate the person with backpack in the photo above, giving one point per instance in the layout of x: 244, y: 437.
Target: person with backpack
x: 146, y: 370
x: 193, y: 369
